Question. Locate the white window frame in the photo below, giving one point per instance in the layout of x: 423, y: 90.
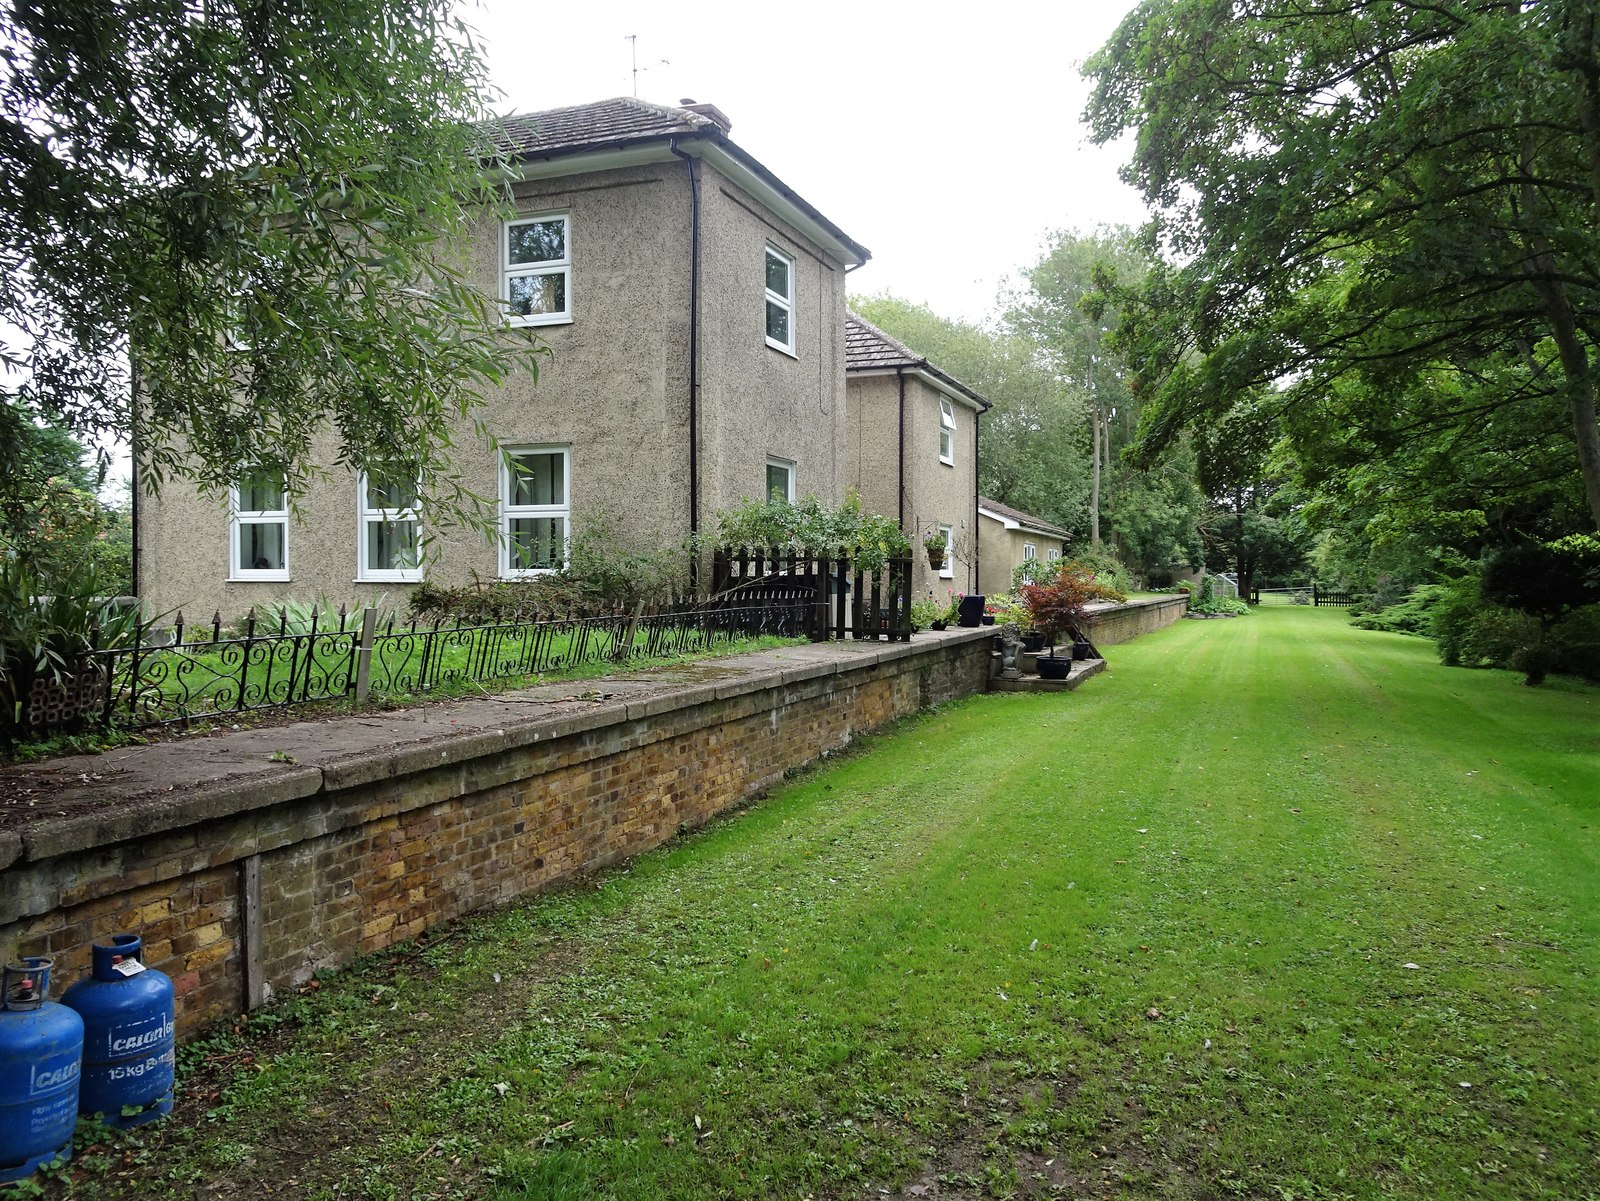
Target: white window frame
x: 1030, y: 552
x: 562, y: 267
x: 365, y: 517
x: 787, y: 465
x: 1052, y: 554
x: 948, y: 571
x: 947, y: 431
x: 510, y: 512
x: 238, y: 517
x: 786, y: 303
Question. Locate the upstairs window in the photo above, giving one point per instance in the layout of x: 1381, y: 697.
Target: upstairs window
x: 780, y: 301
x: 536, y: 265
x: 535, y: 508
x: 780, y: 480
x: 947, y: 431
x: 258, y: 527
x: 390, y: 522
x: 1052, y: 554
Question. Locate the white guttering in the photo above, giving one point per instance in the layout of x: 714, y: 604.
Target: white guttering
x: 940, y: 384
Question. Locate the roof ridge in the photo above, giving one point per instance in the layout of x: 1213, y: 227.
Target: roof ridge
x: 662, y: 110
x: 851, y: 315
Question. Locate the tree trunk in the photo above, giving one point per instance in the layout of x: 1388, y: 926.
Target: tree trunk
x: 1244, y: 565
x: 1579, y: 372
x: 1548, y: 285
x: 1094, y: 487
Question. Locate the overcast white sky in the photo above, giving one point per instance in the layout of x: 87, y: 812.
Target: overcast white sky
x: 946, y: 139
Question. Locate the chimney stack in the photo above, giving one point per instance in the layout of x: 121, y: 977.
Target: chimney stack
x: 710, y: 111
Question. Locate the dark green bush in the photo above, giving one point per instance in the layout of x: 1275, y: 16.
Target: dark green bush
x: 1413, y: 615
x: 1471, y: 632
x: 502, y: 602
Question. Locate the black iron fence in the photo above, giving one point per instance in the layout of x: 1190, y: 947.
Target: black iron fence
x: 838, y: 595
x: 177, y: 673
x: 173, y: 672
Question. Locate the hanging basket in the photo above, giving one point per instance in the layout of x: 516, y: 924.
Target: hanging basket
x: 936, y: 559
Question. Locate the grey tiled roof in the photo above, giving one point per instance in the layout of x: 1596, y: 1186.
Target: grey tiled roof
x: 626, y: 121
x: 1021, y: 518
x: 866, y: 347
x: 611, y: 122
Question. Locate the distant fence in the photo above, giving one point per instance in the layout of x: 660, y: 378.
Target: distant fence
x: 1307, y: 594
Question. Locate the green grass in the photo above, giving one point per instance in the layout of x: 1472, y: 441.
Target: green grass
x: 1274, y: 909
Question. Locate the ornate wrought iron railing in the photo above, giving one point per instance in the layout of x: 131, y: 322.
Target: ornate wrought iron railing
x: 178, y: 674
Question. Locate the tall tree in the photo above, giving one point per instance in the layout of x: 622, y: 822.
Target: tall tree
x: 1358, y: 196
x: 253, y: 213
x: 1066, y: 312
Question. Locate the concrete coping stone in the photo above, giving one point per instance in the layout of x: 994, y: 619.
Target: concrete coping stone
x: 149, y: 790
x: 1142, y: 602
x: 158, y: 814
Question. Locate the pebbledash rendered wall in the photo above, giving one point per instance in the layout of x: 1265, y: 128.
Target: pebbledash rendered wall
x: 249, y: 885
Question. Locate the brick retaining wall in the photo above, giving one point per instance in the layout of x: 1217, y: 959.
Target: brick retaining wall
x: 1120, y: 623
x: 315, y: 843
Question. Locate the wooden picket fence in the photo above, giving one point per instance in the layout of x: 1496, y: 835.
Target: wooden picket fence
x: 839, y: 596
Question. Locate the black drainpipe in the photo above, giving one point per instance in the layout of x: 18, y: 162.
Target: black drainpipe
x: 900, y: 374
x: 694, y: 349
x: 977, y: 415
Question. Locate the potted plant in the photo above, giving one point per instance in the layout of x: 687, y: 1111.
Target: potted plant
x: 926, y: 614
x: 936, y: 544
x: 1059, y: 609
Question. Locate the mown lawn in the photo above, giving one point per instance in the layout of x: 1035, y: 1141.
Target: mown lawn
x: 1275, y: 909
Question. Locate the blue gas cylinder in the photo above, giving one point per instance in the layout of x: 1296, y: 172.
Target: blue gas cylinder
x: 41, y: 1051
x: 128, y: 1035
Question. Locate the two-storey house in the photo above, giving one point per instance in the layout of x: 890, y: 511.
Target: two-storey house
x: 913, y: 451
x: 694, y: 307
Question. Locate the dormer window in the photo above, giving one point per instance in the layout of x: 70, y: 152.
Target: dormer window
x: 536, y: 269
x: 780, y: 301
